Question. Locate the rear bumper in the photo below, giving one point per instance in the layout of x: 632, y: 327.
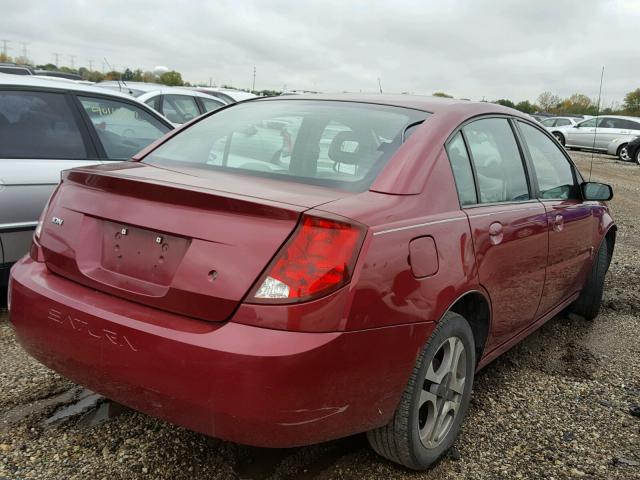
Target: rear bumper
x: 241, y: 383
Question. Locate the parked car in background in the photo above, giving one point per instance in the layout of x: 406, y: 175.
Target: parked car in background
x: 16, y: 69
x: 57, y: 74
x: 180, y: 105
x: 229, y: 95
x: 353, y: 282
x: 608, y: 134
x: 48, y: 126
x: 558, y: 122
x: 632, y: 151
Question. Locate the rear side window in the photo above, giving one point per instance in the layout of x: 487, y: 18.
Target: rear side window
x: 462, y: 172
x: 549, y: 122
x: 497, y: 160
x: 210, y: 104
x: 180, y: 108
x: 562, y: 122
x: 38, y: 125
x: 331, y: 143
x: 123, y: 129
x: 553, y: 171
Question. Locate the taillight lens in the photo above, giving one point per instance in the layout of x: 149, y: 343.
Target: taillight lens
x: 317, y: 260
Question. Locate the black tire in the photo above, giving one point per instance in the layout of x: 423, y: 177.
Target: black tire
x: 619, y: 153
x: 559, y: 137
x: 637, y: 156
x: 590, y: 300
x: 399, y: 440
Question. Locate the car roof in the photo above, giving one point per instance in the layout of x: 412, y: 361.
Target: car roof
x: 164, y: 90
x: 237, y: 95
x: 57, y: 84
x: 417, y: 102
x: 142, y: 86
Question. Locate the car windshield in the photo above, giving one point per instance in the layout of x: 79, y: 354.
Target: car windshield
x: 331, y: 143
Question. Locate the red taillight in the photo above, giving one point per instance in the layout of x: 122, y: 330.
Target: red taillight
x: 317, y: 260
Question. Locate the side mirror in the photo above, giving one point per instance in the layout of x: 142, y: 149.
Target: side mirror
x: 576, y: 126
x: 596, y: 191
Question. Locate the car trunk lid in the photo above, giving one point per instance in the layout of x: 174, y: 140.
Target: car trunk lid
x: 168, y: 239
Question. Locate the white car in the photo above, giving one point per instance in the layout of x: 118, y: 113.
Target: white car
x: 47, y: 126
x: 180, y: 105
x: 609, y: 133
x: 229, y: 95
x: 551, y: 122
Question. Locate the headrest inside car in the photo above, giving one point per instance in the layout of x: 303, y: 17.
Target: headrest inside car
x: 345, y: 148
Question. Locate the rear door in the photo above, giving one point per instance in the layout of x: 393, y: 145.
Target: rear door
x: 570, y: 220
x: 41, y: 134
x: 179, y: 109
x: 508, y: 225
x: 609, y: 129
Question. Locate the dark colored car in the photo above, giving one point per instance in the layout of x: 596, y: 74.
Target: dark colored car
x: 288, y: 271
x: 633, y: 150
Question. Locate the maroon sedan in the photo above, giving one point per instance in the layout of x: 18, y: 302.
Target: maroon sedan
x: 288, y: 271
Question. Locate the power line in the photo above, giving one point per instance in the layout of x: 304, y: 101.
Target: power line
x: 56, y: 55
x: 24, y: 49
x: 73, y: 60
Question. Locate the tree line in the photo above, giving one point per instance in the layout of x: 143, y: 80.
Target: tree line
x: 575, y: 104
x: 547, y: 102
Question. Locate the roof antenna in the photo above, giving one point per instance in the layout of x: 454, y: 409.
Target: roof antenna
x: 595, y: 130
x: 379, y: 85
x: 117, y: 79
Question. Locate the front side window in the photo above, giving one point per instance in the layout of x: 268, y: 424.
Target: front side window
x: 588, y: 123
x: 553, y: 171
x: 180, y: 108
x: 497, y: 160
x: 38, y: 125
x: 462, y: 172
x: 335, y: 144
x: 154, y: 102
x: 123, y: 129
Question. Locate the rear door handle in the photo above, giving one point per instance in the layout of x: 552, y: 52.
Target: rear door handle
x: 558, y: 223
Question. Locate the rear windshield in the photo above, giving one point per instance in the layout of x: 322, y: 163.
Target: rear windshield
x: 330, y: 143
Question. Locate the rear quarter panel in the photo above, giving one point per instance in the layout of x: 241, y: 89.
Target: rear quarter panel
x: 384, y: 290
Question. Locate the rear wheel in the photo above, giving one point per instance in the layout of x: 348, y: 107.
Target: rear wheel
x: 623, y: 154
x: 638, y: 156
x: 590, y: 299
x: 559, y: 137
x: 432, y: 407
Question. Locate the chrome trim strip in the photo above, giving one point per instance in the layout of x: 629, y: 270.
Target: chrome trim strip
x: 502, y: 211
x: 408, y: 227
x: 18, y: 226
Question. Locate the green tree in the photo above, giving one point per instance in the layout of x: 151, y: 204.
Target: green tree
x: 172, y: 78
x: 5, y: 58
x: 127, y: 75
x: 442, y: 94
x: 526, y: 106
x: 138, y: 75
x: 506, y: 103
x: 47, y: 66
x: 632, y: 102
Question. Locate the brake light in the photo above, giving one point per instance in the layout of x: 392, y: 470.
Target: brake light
x: 317, y: 260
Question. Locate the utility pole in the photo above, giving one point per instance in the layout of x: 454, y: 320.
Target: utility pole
x: 4, y: 46
x: 253, y: 88
x: 73, y: 60
x: 90, y: 65
x: 24, y: 50
x: 380, y: 84
x: 56, y: 55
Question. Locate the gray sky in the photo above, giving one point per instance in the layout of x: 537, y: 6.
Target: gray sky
x: 474, y: 49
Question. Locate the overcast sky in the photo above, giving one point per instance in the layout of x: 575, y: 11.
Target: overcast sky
x: 474, y: 49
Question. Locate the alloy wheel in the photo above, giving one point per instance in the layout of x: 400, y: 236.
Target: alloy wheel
x: 442, y: 391
x: 624, y: 154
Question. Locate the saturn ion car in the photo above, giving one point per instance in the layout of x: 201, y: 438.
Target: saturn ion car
x: 288, y: 271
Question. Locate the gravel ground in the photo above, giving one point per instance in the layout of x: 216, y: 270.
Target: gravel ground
x: 556, y: 406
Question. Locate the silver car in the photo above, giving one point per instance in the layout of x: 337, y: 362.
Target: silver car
x: 608, y: 134
x: 49, y: 126
x: 551, y: 122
